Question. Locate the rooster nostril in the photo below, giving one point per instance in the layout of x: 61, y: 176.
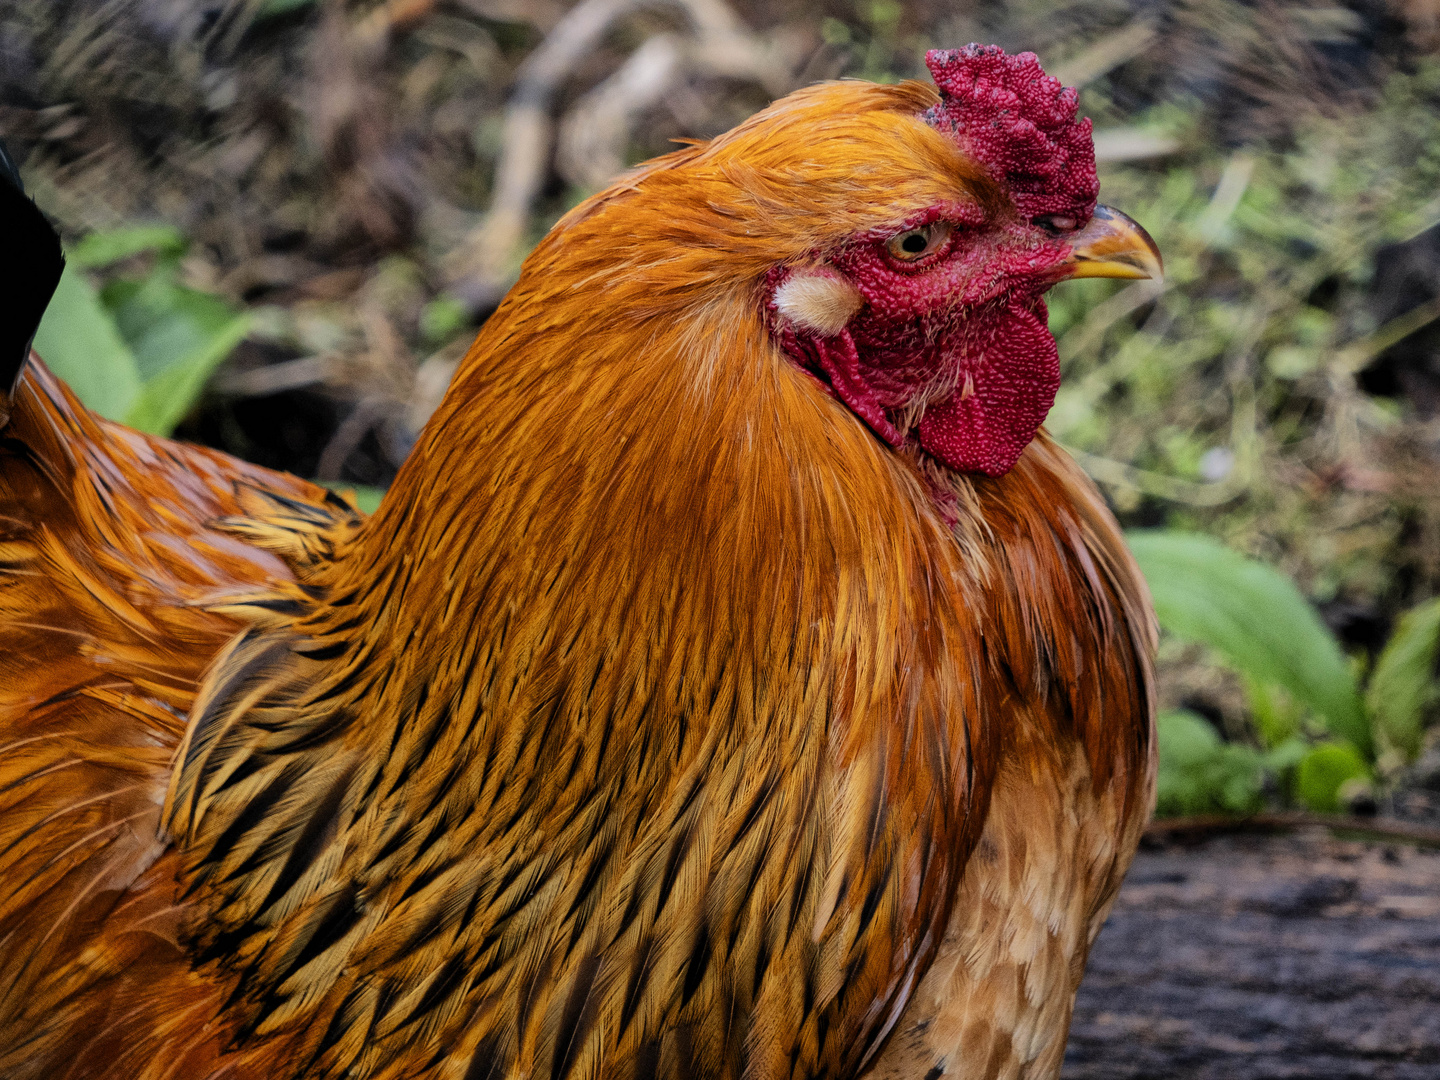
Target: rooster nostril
x: 1055, y: 224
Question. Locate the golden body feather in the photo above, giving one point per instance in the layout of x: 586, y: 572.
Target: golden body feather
x: 658, y: 725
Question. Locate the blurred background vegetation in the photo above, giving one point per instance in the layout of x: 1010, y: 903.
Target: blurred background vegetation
x: 285, y: 219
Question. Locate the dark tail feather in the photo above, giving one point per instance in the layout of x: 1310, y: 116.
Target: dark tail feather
x: 30, y: 265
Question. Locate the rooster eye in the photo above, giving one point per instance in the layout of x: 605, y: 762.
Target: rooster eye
x: 914, y: 244
x: 1056, y: 224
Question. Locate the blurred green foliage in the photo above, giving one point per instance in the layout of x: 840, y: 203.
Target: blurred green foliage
x: 140, y: 349
x: 1323, y: 773
x: 1256, y: 618
x: 1318, y: 737
x: 1229, y: 395
x: 366, y: 498
x: 1200, y: 773
x: 1402, y: 687
x: 1226, y: 403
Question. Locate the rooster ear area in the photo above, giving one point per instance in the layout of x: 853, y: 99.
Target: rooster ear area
x: 818, y: 300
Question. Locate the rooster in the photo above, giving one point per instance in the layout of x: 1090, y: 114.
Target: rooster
x: 735, y: 682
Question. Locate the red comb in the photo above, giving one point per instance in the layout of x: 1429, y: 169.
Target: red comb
x: 1020, y: 124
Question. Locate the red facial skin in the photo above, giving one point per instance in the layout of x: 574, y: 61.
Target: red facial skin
x: 953, y: 350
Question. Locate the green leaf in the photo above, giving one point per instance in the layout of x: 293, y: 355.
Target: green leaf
x: 1255, y: 619
x: 111, y: 246
x: 1274, y: 712
x: 366, y: 498
x: 443, y: 318
x: 78, y: 341
x: 1402, y: 686
x: 834, y: 32
x: 1200, y: 773
x: 1323, y: 771
x: 169, y: 395
x: 179, y: 336
x: 1287, y: 755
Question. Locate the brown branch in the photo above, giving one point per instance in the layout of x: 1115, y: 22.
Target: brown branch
x: 482, y: 266
x: 1219, y: 824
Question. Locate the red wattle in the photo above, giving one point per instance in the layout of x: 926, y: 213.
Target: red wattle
x: 1015, y: 379
x: 839, y: 360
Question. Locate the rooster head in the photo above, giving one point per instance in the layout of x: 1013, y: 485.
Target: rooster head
x: 885, y: 247
x: 931, y: 326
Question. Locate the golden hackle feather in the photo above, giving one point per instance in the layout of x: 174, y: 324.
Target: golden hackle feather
x: 650, y: 726
x: 106, y: 561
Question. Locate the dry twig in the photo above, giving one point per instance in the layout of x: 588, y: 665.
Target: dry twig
x: 482, y: 266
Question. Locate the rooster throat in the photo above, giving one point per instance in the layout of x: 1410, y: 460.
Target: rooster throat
x: 973, y: 413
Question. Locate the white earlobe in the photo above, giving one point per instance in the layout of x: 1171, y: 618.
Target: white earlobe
x: 819, y: 302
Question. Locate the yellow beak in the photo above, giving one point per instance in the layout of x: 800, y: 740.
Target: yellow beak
x: 1113, y: 245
